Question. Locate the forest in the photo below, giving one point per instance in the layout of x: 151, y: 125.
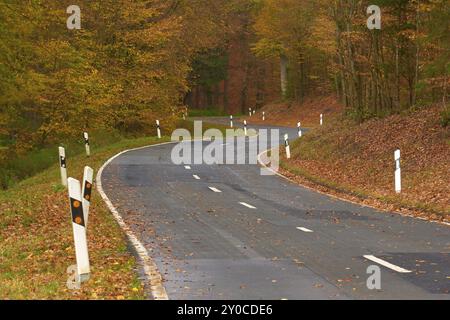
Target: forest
x: 136, y: 61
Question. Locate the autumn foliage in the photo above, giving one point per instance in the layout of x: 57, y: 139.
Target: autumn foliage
x: 126, y: 67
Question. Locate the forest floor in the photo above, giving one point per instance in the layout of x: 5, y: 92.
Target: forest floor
x: 289, y: 113
x: 356, y: 161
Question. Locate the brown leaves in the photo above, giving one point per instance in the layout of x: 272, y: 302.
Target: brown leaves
x: 288, y: 114
x: 356, y: 161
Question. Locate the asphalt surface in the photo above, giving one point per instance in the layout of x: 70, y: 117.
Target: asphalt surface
x: 227, y: 232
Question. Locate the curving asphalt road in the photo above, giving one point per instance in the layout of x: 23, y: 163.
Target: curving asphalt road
x: 226, y: 232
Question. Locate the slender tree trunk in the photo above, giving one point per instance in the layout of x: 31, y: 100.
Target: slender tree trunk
x: 225, y: 94
x: 397, y: 74
x: 283, y: 74
x: 416, y: 75
x: 444, y: 96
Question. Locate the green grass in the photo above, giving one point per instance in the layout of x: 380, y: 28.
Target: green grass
x: 25, y: 166
x: 209, y: 113
x: 35, y: 161
x: 189, y: 125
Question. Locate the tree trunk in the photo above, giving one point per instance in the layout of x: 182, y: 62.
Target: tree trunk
x: 416, y: 75
x: 283, y: 74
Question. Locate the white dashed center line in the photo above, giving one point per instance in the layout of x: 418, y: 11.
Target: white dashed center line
x: 214, y: 189
x: 247, y: 205
x: 187, y: 167
x: 304, y: 229
x: 386, y: 264
x: 196, y: 177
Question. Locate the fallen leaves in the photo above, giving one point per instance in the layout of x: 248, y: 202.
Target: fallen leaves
x: 37, y: 243
x: 356, y: 162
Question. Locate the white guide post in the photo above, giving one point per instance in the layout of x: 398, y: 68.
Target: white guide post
x: 286, y: 144
x: 87, y: 145
x: 299, y: 127
x: 250, y: 111
x: 86, y: 192
x: 398, y: 172
x: 158, y: 129
x: 245, y: 127
x: 79, y: 230
x: 321, y: 119
x: 63, y: 166
x: 231, y: 121
x: 254, y: 111
x: 264, y: 116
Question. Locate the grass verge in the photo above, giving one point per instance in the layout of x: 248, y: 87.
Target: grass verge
x: 208, y: 113
x: 355, y: 161
x: 37, y: 243
x: 27, y: 165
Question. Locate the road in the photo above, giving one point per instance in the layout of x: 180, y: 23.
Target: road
x: 226, y: 232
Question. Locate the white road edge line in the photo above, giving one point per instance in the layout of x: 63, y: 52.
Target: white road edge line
x: 247, y: 205
x: 304, y: 229
x: 151, y: 271
x: 215, y: 190
x: 386, y: 264
x: 196, y: 177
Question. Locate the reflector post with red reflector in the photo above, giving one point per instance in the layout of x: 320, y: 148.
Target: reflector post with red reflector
x: 86, y: 143
x: 63, y: 166
x: 86, y: 192
x: 79, y: 230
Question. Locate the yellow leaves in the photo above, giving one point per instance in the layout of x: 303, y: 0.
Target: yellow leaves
x: 267, y: 48
x: 323, y: 32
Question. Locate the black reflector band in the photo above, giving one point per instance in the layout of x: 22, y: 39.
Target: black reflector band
x: 77, y: 212
x: 62, y: 162
x: 87, y: 191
